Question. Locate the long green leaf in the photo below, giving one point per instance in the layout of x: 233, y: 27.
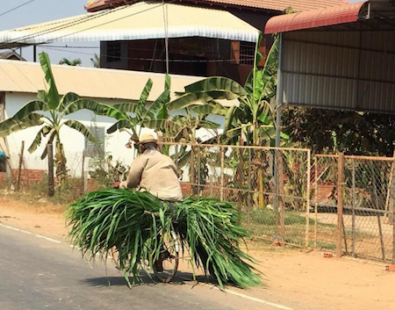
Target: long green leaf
x: 141, y: 107
x: 95, y: 107
x: 67, y: 99
x: 129, y: 107
x: 28, y: 108
x: 37, y: 141
x: 12, y: 125
x: 76, y: 125
x: 52, y: 96
x: 120, y: 125
x: 218, y: 88
x: 51, y: 138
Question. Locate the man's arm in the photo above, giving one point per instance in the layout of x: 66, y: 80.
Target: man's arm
x: 135, y: 173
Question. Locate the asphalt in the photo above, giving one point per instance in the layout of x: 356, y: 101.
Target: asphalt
x: 36, y: 274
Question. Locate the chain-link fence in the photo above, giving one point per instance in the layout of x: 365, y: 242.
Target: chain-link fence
x: 273, y: 201
x: 368, y: 205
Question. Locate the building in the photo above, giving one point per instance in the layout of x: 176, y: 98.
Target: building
x: 198, y: 38
x: 201, y: 56
x: 11, y: 56
x: 22, y: 80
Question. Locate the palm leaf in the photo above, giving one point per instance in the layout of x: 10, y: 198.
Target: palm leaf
x: 12, y: 125
x: 217, y: 88
x: 37, y: 141
x: 141, y: 107
x: 67, y: 99
x: 120, y: 125
x: 28, y: 108
x: 76, y: 125
x: 129, y: 107
x: 52, y: 96
x: 51, y: 138
x: 97, y: 108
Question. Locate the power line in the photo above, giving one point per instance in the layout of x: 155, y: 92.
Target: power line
x: 84, y: 18
x: 17, y: 7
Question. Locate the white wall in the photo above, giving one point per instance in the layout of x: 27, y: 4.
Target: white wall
x: 73, y: 141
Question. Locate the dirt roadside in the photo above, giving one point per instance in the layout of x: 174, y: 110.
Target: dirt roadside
x: 292, y: 277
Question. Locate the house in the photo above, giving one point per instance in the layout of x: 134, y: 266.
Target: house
x: 22, y: 80
x: 201, y: 56
x: 11, y: 56
x: 197, y: 38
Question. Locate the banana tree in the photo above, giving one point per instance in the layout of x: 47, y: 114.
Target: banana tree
x: 48, y: 112
x: 135, y: 116
x: 252, y: 121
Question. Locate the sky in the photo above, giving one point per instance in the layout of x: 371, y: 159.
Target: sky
x: 40, y: 11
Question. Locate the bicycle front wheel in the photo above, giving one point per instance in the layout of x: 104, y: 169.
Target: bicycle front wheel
x: 165, y: 268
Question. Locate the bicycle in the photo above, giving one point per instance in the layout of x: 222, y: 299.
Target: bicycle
x: 166, y: 266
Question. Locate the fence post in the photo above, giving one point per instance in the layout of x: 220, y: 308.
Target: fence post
x: 83, y: 189
x: 280, y: 194
x: 51, y: 182
x: 353, y: 208
x: 18, y: 184
x: 222, y: 172
x: 340, y: 184
x: 192, y: 169
x: 316, y: 200
x: 308, y: 198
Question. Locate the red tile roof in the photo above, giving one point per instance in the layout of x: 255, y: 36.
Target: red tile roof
x: 272, y: 5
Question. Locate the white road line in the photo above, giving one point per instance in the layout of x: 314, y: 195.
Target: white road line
x: 29, y: 233
x: 278, y: 306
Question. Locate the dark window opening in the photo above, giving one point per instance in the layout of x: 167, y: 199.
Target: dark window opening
x: 247, y: 53
x: 113, y: 51
x: 97, y: 148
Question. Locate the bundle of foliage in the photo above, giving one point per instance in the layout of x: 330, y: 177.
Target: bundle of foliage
x: 132, y: 221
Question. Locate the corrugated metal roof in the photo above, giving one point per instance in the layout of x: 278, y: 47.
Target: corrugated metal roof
x: 27, y: 77
x: 135, y: 22
x: 315, y: 18
x: 345, y: 70
x: 273, y: 5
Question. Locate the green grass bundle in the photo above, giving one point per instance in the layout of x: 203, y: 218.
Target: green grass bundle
x: 136, y: 223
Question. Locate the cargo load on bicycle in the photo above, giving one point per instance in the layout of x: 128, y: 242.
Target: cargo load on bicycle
x: 147, y: 232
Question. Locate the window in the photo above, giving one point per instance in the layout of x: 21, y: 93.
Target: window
x: 247, y: 53
x: 97, y: 148
x: 113, y: 51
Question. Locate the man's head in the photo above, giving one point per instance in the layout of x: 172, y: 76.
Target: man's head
x: 149, y: 146
x: 148, y: 142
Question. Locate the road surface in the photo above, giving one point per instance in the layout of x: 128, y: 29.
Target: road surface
x: 39, y: 274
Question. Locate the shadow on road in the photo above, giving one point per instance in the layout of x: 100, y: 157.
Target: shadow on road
x: 181, y: 279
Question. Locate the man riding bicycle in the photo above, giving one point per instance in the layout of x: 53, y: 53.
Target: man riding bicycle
x: 156, y: 173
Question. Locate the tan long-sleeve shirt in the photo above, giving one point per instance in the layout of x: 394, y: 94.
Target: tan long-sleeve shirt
x: 156, y: 173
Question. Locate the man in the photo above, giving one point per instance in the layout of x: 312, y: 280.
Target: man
x: 154, y: 172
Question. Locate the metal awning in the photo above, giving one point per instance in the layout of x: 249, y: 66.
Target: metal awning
x: 341, y: 14
x: 134, y: 22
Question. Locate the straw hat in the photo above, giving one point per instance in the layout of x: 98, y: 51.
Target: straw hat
x: 147, y: 138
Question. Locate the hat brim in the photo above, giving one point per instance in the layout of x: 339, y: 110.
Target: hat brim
x: 148, y: 141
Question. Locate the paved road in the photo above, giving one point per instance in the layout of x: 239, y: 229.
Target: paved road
x: 36, y: 274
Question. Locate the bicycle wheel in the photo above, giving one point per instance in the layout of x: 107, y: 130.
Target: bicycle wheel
x: 165, y: 268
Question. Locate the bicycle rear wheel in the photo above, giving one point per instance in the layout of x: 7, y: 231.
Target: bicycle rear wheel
x: 165, y: 268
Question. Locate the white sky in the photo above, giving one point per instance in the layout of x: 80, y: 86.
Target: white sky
x: 42, y: 11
